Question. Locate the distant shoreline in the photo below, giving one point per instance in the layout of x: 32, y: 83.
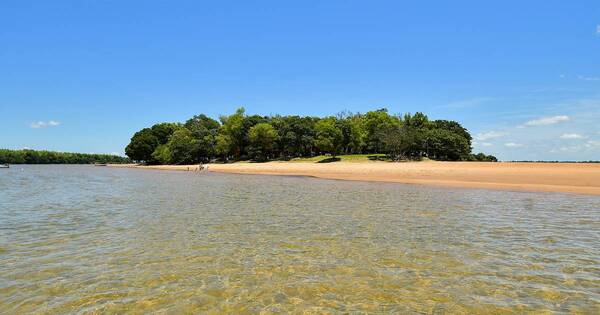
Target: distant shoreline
x: 579, y: 178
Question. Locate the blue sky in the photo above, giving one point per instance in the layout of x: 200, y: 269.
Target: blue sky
x: 522, y: 76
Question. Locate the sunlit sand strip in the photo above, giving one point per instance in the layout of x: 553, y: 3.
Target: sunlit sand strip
x: 581, y: 178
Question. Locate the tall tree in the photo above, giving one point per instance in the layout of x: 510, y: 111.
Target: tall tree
x: 329, y: 137
x: 163, y: 131
x: 162, y: 154
x: 353, y: 132
x: 205, y: 130
x: 377, y: 123
x: 397, y: 143
x: 444, y: 144
x: 262, y: 139
x: 233, y: 130
x: 142, y: 145
x: 415, y: 128
x: 181, y: 145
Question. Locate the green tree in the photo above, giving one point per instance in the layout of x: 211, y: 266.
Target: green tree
x: 397, y: 143
x: 354, y: 133
x: 415, y: 128
x: 329, y: 137
x: 262, y: 139
x: 163, y: 131
x: 232, y: 130
x: 200, y: 125
x: 447, y: 145
x: 296, y: 135
x: 376, y: 124
x: 223, y: 146
x: 205, y: 130
x: 481, y: 157
x: 454, y: 127
x: 182, y: 145
x: 162, y: 154
x: 142, y: 145
x: 448, y: 140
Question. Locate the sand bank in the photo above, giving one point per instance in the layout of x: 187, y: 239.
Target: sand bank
x: 583, y: 178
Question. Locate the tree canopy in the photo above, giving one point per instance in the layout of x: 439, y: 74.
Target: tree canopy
x: 241, y: 137
x: 262, y: 138
x: 329, y: 136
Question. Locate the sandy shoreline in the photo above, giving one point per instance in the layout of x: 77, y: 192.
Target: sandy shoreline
x: 581, y: 178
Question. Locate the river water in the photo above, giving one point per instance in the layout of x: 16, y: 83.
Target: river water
x: 84, y: 239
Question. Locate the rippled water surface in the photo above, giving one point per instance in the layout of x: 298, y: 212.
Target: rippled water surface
x: 96, y: 239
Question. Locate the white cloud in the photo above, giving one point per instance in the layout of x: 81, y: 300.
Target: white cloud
x: 546, y: 121
x: 487, y: 144
x: 592, y: 143
x: 513, y: 145
x: 490, y: 135
x: 581, y: 77
x: 44, y: 124
x: 571, y: 136
x: 575, y: 148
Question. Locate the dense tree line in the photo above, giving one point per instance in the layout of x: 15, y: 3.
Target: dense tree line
x: 240, y: 136
x: 51, y: 157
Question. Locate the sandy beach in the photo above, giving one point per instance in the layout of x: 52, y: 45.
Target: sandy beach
x: 581, y: 178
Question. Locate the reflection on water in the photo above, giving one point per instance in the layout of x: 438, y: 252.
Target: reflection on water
x: 82, y: 238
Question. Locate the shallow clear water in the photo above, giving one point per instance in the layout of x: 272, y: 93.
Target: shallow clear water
x: 96, y: 239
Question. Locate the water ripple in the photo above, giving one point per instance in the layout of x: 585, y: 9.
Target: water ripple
x: 88, y: 239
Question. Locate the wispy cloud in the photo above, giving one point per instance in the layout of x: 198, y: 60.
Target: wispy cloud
x: 592, y: 143
x: 571, y: 136
x: 486, y: 144
x: 490, y: 135
x: 577, y: 148
x: 585, y: 78
x: 44, y: 124
x: 513, y: 145
x: 546, y: 121
x: 574, y: 148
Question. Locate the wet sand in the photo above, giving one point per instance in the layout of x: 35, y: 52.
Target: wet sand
x: 581, y: 178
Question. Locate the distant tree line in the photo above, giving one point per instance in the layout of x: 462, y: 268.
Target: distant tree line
x: 261, y: 138
x: 51, y: 157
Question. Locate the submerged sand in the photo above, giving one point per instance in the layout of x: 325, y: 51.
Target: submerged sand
x: 583, y: 178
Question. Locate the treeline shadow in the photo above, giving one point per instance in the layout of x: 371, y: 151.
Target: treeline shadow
x: 330, y: 160
x: 378, y: 158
